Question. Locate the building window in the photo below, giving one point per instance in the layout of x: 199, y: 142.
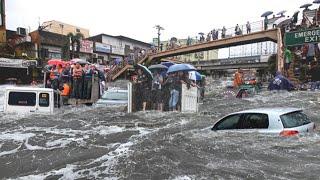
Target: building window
x: 77, y: 30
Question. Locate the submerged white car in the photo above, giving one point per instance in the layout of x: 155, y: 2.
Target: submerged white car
x: 114, y: 97
x: 282, y: 121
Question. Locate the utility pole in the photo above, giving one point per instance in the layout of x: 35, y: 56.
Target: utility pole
x: 159, y: 28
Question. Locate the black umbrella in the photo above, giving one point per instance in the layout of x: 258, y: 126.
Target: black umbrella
x: 146, y: 71
x: 157, y: 67
x: 306, y: 6
x: 174, y: 39
x: 316, y: 1
x: 281, y: 12
x: 268, y: 13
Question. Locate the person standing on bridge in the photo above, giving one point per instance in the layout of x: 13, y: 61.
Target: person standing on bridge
x: 209, y: 37
x: 213, y: 34
x: 266, y: 22
x: 237, y: 30
x: 223, y: 33
x: 248, y: 26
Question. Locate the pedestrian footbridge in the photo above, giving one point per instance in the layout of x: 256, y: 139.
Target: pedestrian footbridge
x: 261, y: 36
x: 273, y: 35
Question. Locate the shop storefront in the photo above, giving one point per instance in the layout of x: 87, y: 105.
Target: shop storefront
x: 24, y: 71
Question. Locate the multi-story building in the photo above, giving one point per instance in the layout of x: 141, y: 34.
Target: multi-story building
x: 109, y: 48
x: 64, y: 28
x: 2, y: 24
x: 50, y: 45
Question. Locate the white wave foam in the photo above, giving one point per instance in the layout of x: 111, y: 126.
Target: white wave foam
x: 105, y: 130
x: 16, y: 136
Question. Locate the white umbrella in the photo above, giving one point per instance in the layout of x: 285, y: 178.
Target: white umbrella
x: 194, y: 75
x: 280, y: 20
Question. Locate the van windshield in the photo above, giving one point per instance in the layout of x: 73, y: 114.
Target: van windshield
x: 294, y: 119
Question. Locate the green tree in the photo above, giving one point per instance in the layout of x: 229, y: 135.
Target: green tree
x: 75, y: 40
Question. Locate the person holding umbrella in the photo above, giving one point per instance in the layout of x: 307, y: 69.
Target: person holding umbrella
x: 266, y: 20
x: 174, y: 85
x: 157, y: 90
x: 143, y: 86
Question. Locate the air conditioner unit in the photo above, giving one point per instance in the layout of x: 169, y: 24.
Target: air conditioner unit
x: 95, y: 55
x: 21, y: 31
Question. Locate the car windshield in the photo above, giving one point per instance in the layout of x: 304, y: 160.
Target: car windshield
x: 294, y: 119
x: 115, y: 96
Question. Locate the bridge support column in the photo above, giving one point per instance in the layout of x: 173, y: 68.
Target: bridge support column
x: 280, y: 54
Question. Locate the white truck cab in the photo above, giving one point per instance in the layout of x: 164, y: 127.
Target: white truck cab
x: 31, y: 100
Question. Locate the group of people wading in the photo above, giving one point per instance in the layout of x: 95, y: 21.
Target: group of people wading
x: 163, y: 91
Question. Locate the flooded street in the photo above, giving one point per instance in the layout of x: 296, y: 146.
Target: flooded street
x: 107, y: 143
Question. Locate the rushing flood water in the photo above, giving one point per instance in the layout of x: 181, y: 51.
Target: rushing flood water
x: 100, y: 143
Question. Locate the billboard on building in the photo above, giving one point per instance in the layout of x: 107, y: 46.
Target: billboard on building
x: 101, y: 47
x: 86, y: 46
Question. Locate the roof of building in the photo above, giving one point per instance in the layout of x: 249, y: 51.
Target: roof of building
x: 121, y: 38
x: 59, y: 22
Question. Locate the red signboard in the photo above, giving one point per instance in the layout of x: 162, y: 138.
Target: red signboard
x: 86, y: 46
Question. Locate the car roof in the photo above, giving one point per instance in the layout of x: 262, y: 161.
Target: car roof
x: 273, y: 110
x: 12, y: 88
x: 117, y: 90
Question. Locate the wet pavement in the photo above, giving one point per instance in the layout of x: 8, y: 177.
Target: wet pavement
x: 107, y: 143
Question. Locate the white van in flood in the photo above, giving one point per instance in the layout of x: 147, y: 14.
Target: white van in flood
x: 31, y: 100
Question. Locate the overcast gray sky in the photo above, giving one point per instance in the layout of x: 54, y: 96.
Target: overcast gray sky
x: 136, y: 18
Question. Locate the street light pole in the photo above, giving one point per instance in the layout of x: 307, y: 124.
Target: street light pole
x: 159, y: 28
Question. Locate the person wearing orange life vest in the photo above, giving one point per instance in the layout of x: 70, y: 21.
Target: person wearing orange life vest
x: 77, y: 81
x: 54, y: 77
x: 237, y: 79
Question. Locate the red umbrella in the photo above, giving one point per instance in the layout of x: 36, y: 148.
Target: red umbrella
x: 56, y: 62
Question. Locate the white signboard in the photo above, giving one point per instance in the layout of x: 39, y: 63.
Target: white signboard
x: 100, y: 47
x: 129, y: 97
x: 17, y: 63
x: 189, y: 101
